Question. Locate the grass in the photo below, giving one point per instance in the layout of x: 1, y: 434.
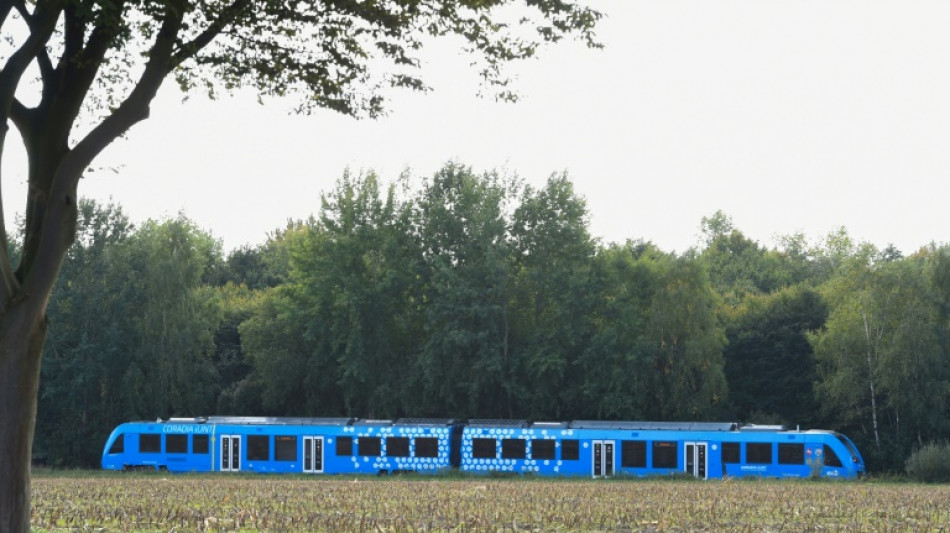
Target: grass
x: 221, y: 502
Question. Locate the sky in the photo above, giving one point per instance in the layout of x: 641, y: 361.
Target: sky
x: 788, y: 115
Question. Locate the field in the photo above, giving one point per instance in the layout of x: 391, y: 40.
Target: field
x: 174, y: 503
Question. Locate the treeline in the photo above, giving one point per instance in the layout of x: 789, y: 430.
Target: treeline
x: 473, y: 295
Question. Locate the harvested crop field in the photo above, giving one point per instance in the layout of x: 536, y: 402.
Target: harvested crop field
x: 227, y: 503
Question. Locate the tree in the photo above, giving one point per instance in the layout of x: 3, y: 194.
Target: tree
x: 882, y: 359
x: 553, y: 256
x: 769, y: 364
x: 339, y: 55
x: 612, y: 375
x: 87, y: 353
x: 466, y: 362
x: 176, y: 315
x: 133, y: 337
x: 738, y: 265
x: 686, y: 343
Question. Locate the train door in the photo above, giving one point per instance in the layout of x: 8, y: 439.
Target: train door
x: 696, y: 460
x: 230, y: 453
x: 603, y: 458
x: 313, y: 455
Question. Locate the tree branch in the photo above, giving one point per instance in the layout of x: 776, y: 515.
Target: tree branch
x: 5, y: 7
x: 40, y: 32
x: 73, y: 33
x: 135, y: 107
x: 20, y: 115
x: 41, y: 28
x: 190, y: 49
x: 79, y: 69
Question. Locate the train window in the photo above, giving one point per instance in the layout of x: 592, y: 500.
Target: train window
x: 427, y: 447
x: 513, y: 448
x: 542, y: 449
x: 831, y: 458
x: 570, y: 450
x: 199, y: 444
x: 758, y: 453
x: 119, y: 445
x: 484, y: 449
x: 665, y: 454
x: 258, y: 448
x: 791, y: 454
x: 848, y: 446
x: 285, y: 448
x: 633, y: 454
x: 369, y: 446
x: 176, y: 443
x: 730, y: 453
x: 150, y: 443
x: 344, y: 446
x: 397, y: 446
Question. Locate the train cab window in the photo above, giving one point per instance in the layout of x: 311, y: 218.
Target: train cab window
x: 791, y: 454
x: 513, y: 448
x: 758, y: 453
x: 397, y: 447
x: 285, y: 448
x: 119, y: 445
x: 730, y: 453
x: 542, y: 449
x: 369, y: 446
x: 831, y: 458
x: 570, y: 450
x: 665, y: 454
x: 484, y: 449
x: 176, y: 443
x: 427, y: 447
x: 633, y: 454
x: 199, y: 444
x: 150, y: 443
x: 344, y: 446
x: 258, y: 448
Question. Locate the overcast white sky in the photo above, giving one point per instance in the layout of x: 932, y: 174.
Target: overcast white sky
x: 790, y: 116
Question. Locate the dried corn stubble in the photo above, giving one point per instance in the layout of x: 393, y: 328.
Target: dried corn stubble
x: 227, y: 503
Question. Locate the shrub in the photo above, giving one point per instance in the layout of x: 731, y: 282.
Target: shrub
x: 930, y: 464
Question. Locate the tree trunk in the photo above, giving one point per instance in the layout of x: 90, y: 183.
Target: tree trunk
x: 21, y: 348
x: 867, y: 332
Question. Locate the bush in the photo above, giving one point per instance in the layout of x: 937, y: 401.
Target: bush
x: 930, y: 464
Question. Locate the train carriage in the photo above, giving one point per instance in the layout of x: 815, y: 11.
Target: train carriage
x: 281, y: 445
x: 701, y: 449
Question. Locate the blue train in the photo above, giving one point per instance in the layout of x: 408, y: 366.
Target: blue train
x: 581, y: 448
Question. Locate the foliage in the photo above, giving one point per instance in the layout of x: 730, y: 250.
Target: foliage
x: 769, y: 363
x: 550, y: 299
x: 465, y: 361
x: 136, y: 332
x: 930, y: 463
x: 882, y: 356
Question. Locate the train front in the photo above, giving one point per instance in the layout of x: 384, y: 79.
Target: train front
x: 857, y: 462
x: 113, y: 453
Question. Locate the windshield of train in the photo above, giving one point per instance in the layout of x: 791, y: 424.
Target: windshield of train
x: 851, y: 449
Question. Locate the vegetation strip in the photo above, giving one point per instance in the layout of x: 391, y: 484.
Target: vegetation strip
x: 249, y: 503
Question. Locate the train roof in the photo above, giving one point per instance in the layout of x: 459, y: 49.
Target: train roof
x: 475, y: 423
x: 304, y: 421
x: 550, y: 425
x: 497, y: 423
x: 413, y: 422
x: 668, y: 426
x: 278, y: 421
